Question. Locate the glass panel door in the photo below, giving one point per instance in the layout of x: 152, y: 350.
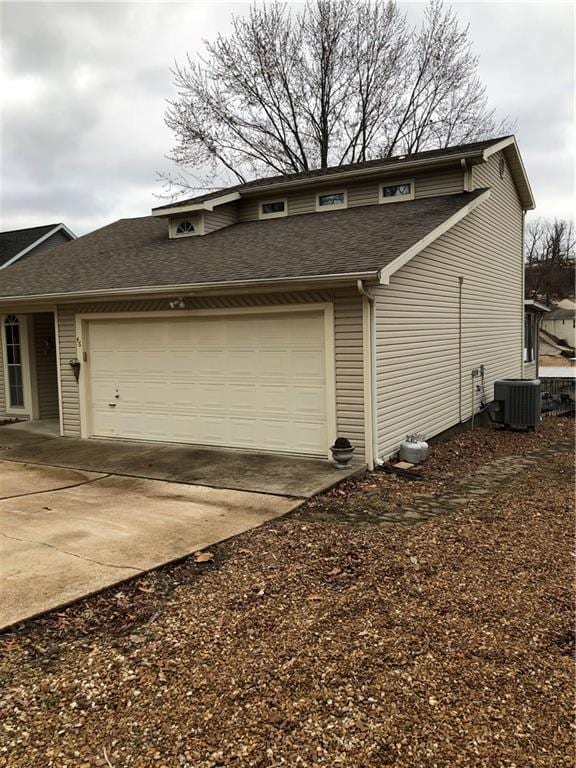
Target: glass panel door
x: 14, y: 362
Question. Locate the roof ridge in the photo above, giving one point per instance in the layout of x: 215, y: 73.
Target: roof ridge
x: 333, y: 169
x: 28, y: 229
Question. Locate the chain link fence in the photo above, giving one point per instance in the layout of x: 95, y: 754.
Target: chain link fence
x: 558, y: 396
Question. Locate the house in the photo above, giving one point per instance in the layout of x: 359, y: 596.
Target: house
x: 560, y: 322
x: 19, y: 243
x: 533, y: 313
x: 552, y: 346
x: 360, y: 301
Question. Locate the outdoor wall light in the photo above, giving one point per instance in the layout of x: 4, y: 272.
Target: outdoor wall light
x: 177, y: 304
x: 75, y: 365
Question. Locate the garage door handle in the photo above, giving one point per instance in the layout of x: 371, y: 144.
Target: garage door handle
x: 112, y: 405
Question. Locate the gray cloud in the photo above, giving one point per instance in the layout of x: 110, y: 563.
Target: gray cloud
x: 85, y: 85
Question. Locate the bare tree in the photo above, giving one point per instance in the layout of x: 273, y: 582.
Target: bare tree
x: 337, y: 82
x: 550, y: 254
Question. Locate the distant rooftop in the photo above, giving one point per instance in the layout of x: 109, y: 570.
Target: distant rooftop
x: 15, y: 241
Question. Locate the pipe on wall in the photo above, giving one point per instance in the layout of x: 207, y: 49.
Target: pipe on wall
x: 460, y: 291
x: 373, y: 401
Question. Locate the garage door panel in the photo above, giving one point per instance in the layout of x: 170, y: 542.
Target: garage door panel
x: 308, y: 400
x: 250, y: 381
x: 307, y: 363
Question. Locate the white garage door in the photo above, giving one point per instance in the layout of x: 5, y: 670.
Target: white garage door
x: 255, y: 381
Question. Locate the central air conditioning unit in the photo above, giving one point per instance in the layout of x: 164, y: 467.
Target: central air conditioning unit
x: 517, y: 402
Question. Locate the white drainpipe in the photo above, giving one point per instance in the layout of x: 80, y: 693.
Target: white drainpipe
x: 372, y: 460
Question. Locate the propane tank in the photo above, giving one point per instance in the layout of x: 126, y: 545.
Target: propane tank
x: 414, y: 449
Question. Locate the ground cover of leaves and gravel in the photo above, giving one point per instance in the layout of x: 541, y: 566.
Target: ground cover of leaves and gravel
x: 306, y: 643
x: 450, y: 461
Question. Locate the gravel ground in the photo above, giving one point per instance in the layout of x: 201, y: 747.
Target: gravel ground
x: 450, y: 460
x: 322, y: 644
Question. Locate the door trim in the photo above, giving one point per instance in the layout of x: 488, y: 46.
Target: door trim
x: 28, y: 367
x: 83, y: 349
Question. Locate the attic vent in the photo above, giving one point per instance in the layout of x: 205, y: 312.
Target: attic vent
x: 501, y: 166
x: 184, y: 228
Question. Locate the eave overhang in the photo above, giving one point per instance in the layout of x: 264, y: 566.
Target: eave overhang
x: 512, y: 154
x: 199, y: 289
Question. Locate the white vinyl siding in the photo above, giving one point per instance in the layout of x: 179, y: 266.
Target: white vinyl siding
x: 347, y: 348
x: 417, y: 327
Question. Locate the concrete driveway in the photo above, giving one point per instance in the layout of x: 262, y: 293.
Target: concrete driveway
x: 66, y: 533
x: 110, y: 511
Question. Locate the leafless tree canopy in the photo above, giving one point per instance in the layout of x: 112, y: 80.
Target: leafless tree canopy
x: 550, y: 252
x: 338, y: 82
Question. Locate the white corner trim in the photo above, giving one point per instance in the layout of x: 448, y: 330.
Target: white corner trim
x: 489, y: 151
x: 58, y: 228
x: 207, y: 205
x: 387, y: 271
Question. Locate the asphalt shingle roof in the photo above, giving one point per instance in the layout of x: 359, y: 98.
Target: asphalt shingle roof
x: 430, y: 154
x: 133, y: 253
x: 15, y: 241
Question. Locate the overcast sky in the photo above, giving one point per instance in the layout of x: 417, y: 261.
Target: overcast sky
x: 84, y: 87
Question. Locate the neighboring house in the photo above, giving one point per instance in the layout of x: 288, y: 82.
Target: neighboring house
x: 357, y: 301
x: 19, y: 243
x: 533, y: 313
x: 549, y: 345
x: 560, y: 322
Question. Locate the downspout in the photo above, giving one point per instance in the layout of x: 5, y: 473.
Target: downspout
x: 467, y: 175
x: 522, y: 324
x: 373, y: 420
x: 460, y: 285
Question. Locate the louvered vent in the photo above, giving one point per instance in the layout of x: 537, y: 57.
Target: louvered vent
x: 518, y: 401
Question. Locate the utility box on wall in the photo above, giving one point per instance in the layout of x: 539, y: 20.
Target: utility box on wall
x: 517, y: 402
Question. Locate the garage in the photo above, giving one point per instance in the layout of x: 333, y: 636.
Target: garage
x: 252, y: 380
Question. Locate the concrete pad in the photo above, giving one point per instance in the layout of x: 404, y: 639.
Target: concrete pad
x: 217, y: 468
x: 62, y: 545
x: 26, y: 433
x: 24, y: 479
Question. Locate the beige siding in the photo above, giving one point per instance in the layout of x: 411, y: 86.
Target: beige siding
x: 69, y: 386
x: 220, y: 217
x: 443, y: 182
x: 531, y: 370
x: 417, y: 319
x: 349, y: 369
x: 348, y: 348
x: 46, y: 373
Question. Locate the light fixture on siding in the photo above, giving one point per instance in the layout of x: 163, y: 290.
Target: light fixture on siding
x: 177, y: 304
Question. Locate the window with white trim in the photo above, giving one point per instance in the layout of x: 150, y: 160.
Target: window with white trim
x: 330, y: 201
x: 185, y: 227
x: 399, y: 190
x: 273, y: 209
x: 14, y: 362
